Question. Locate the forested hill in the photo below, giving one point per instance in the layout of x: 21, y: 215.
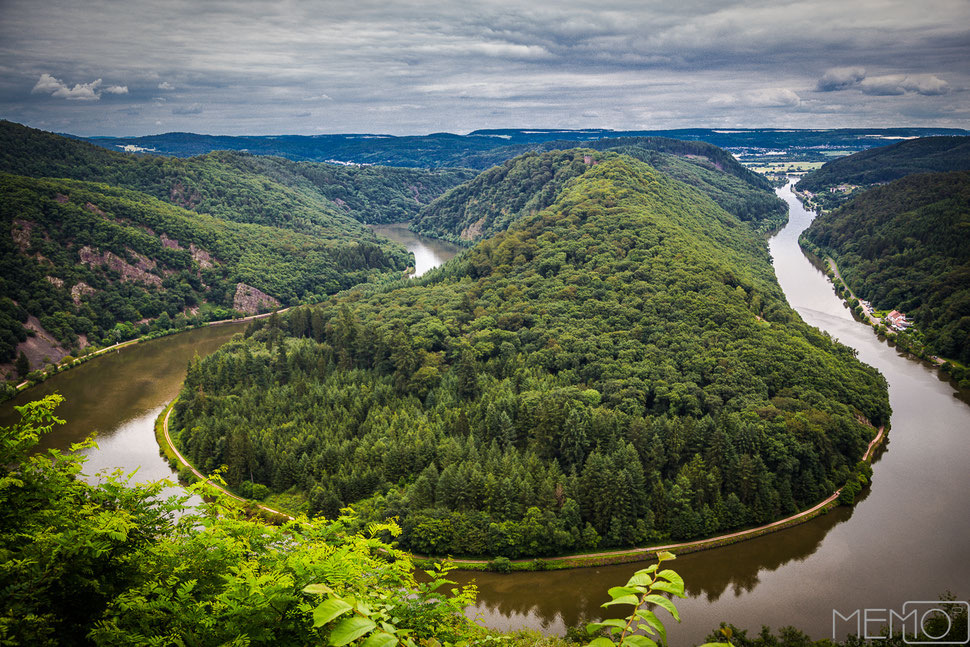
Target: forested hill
x: 887, y: 163
x: 906, y: 246
x: 91, y: 263
x: 488, y: 204
x: 618, y: 368
x: 79, y: 269
x: 313, y: 198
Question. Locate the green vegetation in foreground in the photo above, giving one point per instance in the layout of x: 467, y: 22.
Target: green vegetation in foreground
x: 530, y: 183
x: 866, y: 169
x: 115, y: 564
x: 618, y: 369
x: 906, y: 246
x: 109, y: 264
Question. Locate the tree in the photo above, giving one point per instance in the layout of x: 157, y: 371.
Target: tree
x: 23, y: 365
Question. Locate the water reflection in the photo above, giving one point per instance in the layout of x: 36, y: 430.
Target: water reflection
x: 118, y: 395
x: 428, y: 252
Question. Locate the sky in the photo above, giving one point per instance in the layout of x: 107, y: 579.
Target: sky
x: 137, y: 67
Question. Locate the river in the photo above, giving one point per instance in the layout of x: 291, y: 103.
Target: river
x: 907, y: 539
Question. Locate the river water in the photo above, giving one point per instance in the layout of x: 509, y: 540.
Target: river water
x: 907, y: 539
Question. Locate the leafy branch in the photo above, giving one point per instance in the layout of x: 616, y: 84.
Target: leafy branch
x: 645, y: 589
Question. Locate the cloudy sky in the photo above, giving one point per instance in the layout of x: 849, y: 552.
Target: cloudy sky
x: 135, y: 67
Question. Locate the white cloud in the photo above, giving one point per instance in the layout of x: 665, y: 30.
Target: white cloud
x: 165, y: 85
x: 845, y: 78
x: 80, y: 92
x: 895, y: 84
x: 840, y: 78
x: 763, y: 98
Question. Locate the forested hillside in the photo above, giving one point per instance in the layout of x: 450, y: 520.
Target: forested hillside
x: 98, y: 263
x: 906, y: 246
x: 309, y: 241
x: 618, y: 368
x: 527, y: 184
x: 370, y: 194
x: 314, y: 198
x: 836, y: 180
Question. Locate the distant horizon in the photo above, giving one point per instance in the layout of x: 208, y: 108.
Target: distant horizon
x: 536, y: 129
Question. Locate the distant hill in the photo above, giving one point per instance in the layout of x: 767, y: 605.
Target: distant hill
x: 474, y: 149
x: 103, y: 245
x: 884, y: 164
x: 316, y: 198
x: 529, y: 183
x: 906, y: 246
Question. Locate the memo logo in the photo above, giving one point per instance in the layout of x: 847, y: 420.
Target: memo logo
x: 921, y: 622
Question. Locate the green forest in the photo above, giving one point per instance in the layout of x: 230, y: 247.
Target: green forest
x: 617, y: 368
x: 883, y: 164
x: 115, y: 563
x: 529, y: 183
x: 906, y: 246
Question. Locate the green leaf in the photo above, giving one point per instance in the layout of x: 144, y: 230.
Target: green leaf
x: 673, y: 578
x: 641, y: 578
x: 661, y: 601
x: 601, y: 642
x: 638, y: 641
x: 349, y: 630
x: 617, y: 591
x: 655, y: 626
x: 716, y: 645
x: 328, y: 610
x: 670, y: 588
x: 623, y: 599
x: 665, y: 555
x: 380, y: 639
x: 317, y: 589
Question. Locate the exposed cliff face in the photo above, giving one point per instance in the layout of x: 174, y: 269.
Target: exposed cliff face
x: 140, y: 271
x: 251, y: 300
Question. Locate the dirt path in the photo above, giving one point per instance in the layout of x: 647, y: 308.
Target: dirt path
x: 687, y: 546
x: 131, y: 342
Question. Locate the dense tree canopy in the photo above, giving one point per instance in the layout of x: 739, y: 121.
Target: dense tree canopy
x: 119, y: 564
x: 529, y: 183
x: 906, y: 246
x: 617, y: 368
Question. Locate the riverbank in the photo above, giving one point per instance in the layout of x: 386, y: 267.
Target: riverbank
x: 900, y: 340
x: 172, y: 453
x: 582, y: 560
x: 60, y: 368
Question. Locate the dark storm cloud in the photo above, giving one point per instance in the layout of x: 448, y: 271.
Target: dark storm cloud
x: 406, y: 67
